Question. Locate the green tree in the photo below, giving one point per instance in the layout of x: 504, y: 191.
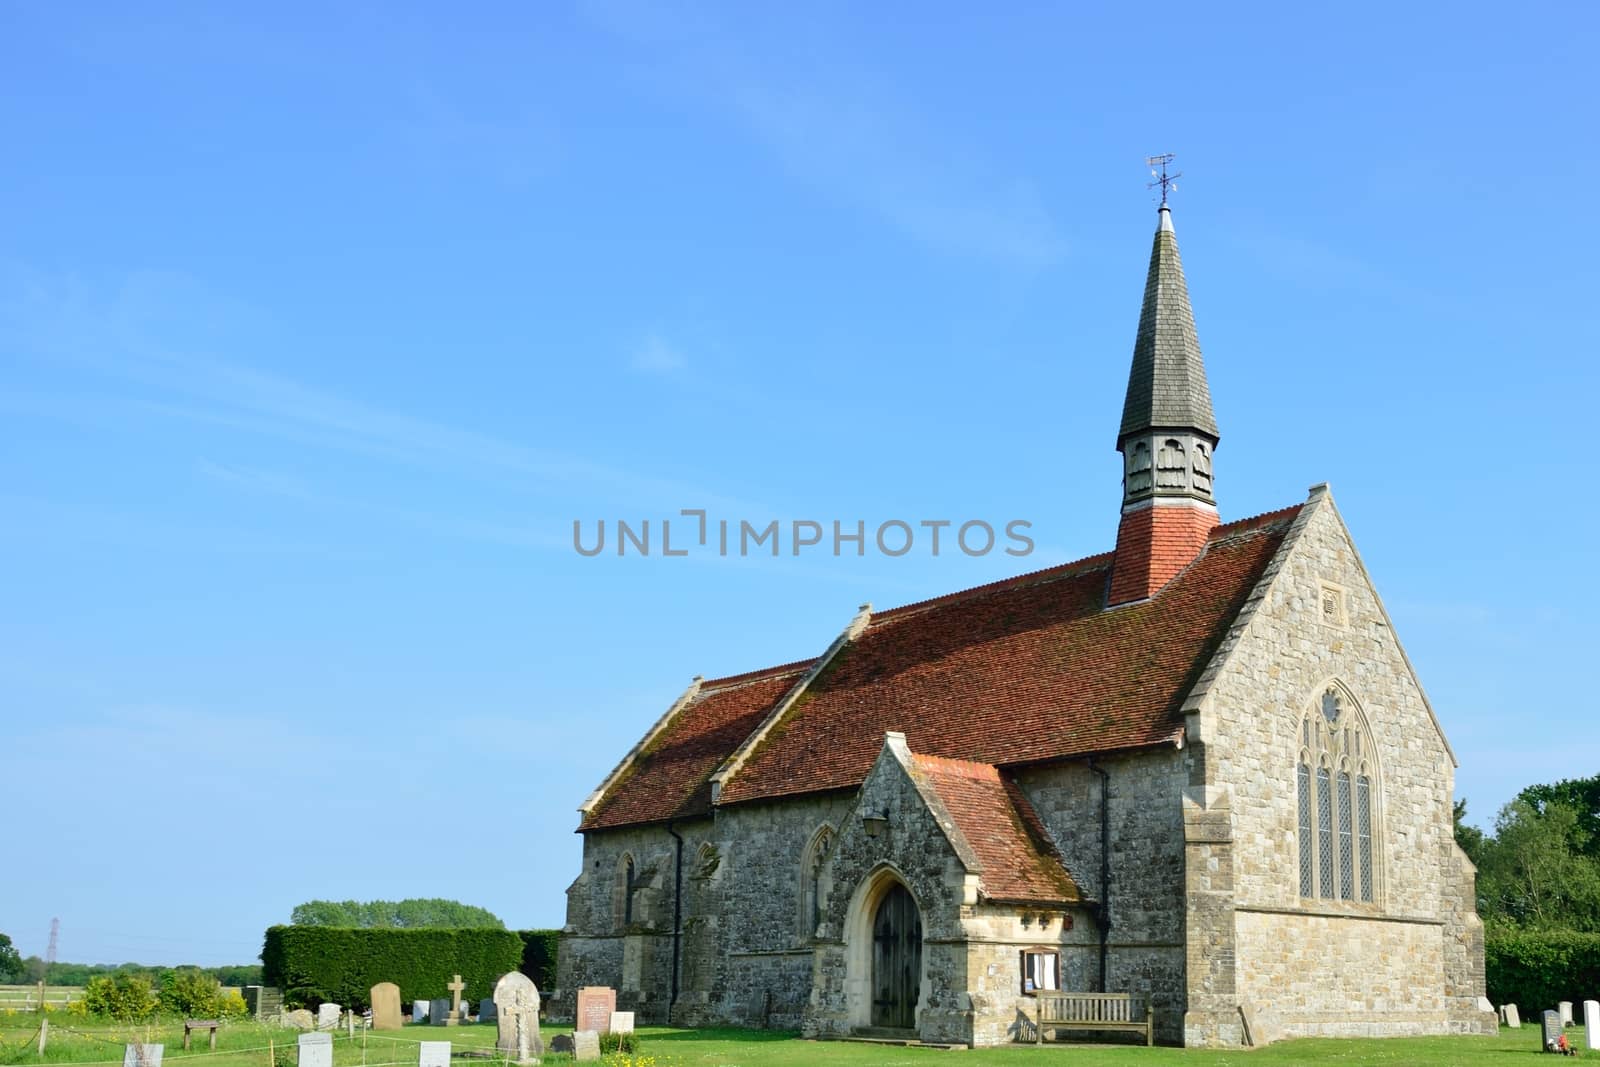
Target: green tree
x: 1534, y: 873
x: 405, y: 914
x: 1582, y: 795
x: 11, y: 965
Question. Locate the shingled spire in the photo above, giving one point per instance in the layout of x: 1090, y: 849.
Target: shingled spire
x: 1167, y: 437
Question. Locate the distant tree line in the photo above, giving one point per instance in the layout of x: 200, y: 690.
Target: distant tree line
x: 1539, y: 893
x: 414, y: 914
x: 16, y: 969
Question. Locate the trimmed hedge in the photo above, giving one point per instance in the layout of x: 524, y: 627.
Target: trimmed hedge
x: 539, y: 957
x: 316, y: 963
x: 1536, y: 971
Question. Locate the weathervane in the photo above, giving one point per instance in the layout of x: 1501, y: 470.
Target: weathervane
x: 1162, y: 178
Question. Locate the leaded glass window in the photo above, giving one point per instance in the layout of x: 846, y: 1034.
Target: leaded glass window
x: 1307, y: 864
x: 1364, y: 826
x: 1324, y: 832
x: 1347, y: 863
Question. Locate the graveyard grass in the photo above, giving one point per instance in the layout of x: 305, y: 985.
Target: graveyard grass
x: 78, y: 1041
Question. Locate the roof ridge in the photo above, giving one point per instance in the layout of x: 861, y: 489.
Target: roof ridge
x: 953, y: 763
x: 1046, y: 574
x: 1253, y: 522
x: 760, y: 674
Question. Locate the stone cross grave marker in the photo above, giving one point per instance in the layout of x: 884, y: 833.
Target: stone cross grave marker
x: 386, y: 1006
x: 595, y: 1005
x: 455, y: 985
x: 137, y: 1055
x: 327, y: 1015
x: 585, y: 1045
x: 433, y: 1054
x: 622, y: 1022
x: 1591, y: 1023
x: 1565, y: 1008
x: 439, y: 1011
x: 1550, y: 1028
x: 1513, y: 1019
x: 516, y: 1002
x: 316, y: 1050
x: 419, y: 1011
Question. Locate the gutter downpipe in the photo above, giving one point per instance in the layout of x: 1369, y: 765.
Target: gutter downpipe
x: 677, y: 915
x: 1103, y: 909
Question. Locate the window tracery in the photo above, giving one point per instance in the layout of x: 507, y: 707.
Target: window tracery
x: 1335, y: 786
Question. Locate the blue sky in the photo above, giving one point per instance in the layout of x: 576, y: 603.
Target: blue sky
x: 319, y: 327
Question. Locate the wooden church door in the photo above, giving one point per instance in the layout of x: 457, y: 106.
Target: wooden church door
x: 896, y: 960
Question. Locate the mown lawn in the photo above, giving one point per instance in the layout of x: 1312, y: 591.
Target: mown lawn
x: 78, y: 1041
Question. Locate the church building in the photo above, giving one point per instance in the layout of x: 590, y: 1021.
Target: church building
x: 1198, y: 769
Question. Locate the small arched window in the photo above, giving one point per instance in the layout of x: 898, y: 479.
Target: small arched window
x: 1336, y: 797
x: 625, y: 892
x: 811, y: 863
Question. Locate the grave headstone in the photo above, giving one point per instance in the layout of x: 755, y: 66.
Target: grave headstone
x: 327, y: 1015
x: 386, y: 1006
x: 300, y: 1019
x: 486, y: 1010
x: 622, y: 1022
x: 1591, y: 1023
x: 561, y: 1043
x: 1549, y: 1028
x: 316, y: 1050
x: 516, y: 1004
x: 585, y: 1045
x: 433, y: 1054
x: 1513, y: 1019
x: 419, y: 1011
x: 595, y: 1005
x: 137, y: 1055
x: 439, y: 1011
x: 455, y: 985
x: 1565, y: 1008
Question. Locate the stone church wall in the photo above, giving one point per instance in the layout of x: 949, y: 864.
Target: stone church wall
x: 1320, y: 966
x: 1145, y: 941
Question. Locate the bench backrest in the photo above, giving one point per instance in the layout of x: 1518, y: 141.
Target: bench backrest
x: 1087, y: 1007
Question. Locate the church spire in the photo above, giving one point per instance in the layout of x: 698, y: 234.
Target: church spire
x: 1167, y: 436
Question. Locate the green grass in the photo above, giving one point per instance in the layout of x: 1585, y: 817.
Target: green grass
x: 78, y: 1041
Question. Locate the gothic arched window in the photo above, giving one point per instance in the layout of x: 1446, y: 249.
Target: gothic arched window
x: 624, y: 891
x: 1336, y: 795
x: 811, y: 862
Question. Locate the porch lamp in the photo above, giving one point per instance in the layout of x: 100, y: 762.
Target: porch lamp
x: 874, y: 822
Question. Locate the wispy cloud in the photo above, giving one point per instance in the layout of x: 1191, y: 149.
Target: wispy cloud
x: 656, y: 356
x: 847, y: 134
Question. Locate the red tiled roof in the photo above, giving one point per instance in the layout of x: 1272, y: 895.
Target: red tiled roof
x: 1020, y: 863
x: 1027, y: 670
x: 670, y: 779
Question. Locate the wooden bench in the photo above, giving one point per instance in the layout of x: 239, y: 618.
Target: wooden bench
x: 191, y: 1025
x: 1093, y: 1011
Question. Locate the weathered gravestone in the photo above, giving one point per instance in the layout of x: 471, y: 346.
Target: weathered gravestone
x: 516, y: 1004
x: 1565, y: 1008
x: 439, y: 1011
x: 419, y: 1011
x: 327, y: 1015
x: 455, y: 985
x: 386, y: 1006
x: 622, y: 1022
x: 299, y: 1019
x: 316, y: 1050
x: 561, y: 1043
x: 1513, y: 1019
x: 433, y: 1054
x: 137, y: 1055
x: 595, y: 1005
x: 1549, y: 1029
x: 585, y: 1045
x: 1591, y: 1023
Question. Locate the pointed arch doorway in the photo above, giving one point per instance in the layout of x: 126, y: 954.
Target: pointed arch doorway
x: 896, y: 960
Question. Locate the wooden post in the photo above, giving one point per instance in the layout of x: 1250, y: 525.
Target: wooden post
x: 272, y: 1054
x: 1149, y: 1026
x: 44, y: 1034
x: 214, y: 1029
